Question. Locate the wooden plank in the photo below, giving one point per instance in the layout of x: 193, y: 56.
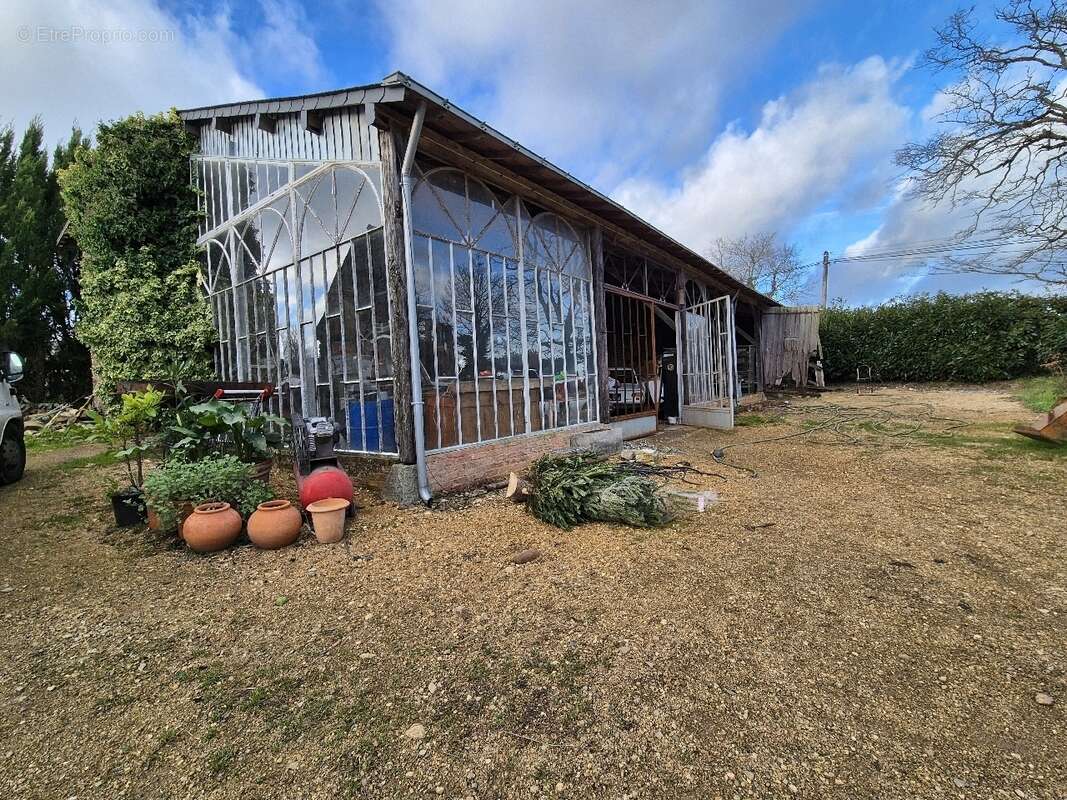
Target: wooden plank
x: 397, y: 289
x: 600, y: 315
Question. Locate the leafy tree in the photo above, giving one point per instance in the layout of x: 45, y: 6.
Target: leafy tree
x: 1004, y: 140
x: 134, y: 215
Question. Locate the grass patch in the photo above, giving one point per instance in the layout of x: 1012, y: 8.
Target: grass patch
x: 994, y: 447
x: 220, y: 761
x: 755, y: 420
x: 56, y: 439
x: 1041, y: 394
x: 105, y: 459
x: 65, y: 520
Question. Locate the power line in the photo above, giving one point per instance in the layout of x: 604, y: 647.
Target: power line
x: 913, y: 251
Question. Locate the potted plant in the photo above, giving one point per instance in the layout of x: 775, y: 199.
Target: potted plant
x: 219, y: 426
x: 177, y: 486
x: 131, y: 431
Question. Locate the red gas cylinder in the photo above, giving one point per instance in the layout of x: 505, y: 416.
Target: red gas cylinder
x: 323, y: 482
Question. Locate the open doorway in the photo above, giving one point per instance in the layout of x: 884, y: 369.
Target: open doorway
x: 631, y: 335
x: 642, y: 361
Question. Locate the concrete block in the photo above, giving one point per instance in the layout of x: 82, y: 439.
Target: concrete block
x: 605, y: 442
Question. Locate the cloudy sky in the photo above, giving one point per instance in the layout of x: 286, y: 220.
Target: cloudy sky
x: 708, y: 117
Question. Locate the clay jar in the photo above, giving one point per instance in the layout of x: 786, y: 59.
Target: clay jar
x: 274, y: 524
x: 211, y: 527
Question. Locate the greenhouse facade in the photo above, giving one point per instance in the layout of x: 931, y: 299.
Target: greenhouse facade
x: 453, y: 301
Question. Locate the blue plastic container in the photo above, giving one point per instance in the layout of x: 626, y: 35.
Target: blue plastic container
x: 369, y: 410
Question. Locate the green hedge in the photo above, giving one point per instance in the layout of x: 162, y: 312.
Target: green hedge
x: 970, y: 338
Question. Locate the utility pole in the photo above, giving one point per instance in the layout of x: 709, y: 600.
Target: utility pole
x: 825, y: 274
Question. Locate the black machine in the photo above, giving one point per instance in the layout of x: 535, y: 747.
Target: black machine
x: 314, y: 440
x: 668, y: 378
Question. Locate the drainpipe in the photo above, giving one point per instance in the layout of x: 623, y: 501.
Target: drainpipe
x: 407, y: 182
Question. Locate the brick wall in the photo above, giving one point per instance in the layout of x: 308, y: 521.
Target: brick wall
x: 463, y: 467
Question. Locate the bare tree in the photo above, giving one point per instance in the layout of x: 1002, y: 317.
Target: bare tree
x: 762, y: 263
x: 1002, y: 152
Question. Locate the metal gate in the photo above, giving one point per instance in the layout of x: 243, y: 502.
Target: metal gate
x: 708, y: 372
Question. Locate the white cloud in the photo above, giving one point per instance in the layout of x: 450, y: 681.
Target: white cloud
x: 908, y: 223
x: 603, y: 84
x: 807, y: 149
x: 71, y: 60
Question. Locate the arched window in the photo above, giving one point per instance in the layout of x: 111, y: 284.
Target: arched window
x: 552, y: 242
x: 336, y: 205
x: 448, y: 204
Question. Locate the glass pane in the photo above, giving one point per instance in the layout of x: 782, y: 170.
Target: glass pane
x: 465, y: 345
x: 439, y: 205
x: 423, y: 285
x: 276, y: 242
x: 318, y: 215
x: 246, y: 249
x: 362, y: 273
x: 482, y: 318
x: 383, y: 331
x: 461, y: 269
x: 357, y: 205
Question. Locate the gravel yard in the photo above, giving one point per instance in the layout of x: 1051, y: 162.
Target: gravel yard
x: 876, y: 614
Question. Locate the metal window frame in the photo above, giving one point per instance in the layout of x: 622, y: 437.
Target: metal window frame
x: 551, y: 270
x: 304, y: 272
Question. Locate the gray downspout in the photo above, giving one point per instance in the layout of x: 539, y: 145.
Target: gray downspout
x: 406, y: 184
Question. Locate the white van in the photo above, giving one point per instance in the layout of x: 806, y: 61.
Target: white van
x: 12, y: 441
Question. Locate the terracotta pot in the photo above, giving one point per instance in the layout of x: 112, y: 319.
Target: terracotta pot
x: 328, y: 517
x: 261, y: 470
x: 154, y: 522
x: 211, y: 527
x: 274, y: 524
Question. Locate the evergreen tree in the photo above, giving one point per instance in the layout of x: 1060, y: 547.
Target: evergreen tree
x: 37, y: 281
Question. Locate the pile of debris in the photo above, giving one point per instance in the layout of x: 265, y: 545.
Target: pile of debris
x: 566, y: 490
x: 38, y: 418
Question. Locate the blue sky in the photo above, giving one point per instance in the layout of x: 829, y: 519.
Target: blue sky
x: 708, y: 118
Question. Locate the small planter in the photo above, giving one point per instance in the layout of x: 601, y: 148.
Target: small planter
x: 274, y: 524
x: 328, y: 517
x: 129, y: 507
x: 261, y: 470
x: 211, y: 527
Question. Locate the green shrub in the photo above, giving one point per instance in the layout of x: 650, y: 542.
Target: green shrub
x: 216, y: 478
x: 131, y: 430
x: 133, y: 213
x: 971, y: 338
x: 218, y: 426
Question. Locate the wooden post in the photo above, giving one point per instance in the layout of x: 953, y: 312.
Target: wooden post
x: 681, y: 355
x: 600, y: 315
x: 397, y: 288
x: 825, y: 275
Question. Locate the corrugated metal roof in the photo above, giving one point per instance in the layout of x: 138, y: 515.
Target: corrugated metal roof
x: 403, y: 94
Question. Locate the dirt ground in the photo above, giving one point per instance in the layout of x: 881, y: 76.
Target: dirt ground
x: 872, y: 615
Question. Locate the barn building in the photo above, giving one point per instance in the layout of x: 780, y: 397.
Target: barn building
x: 455, y: 302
